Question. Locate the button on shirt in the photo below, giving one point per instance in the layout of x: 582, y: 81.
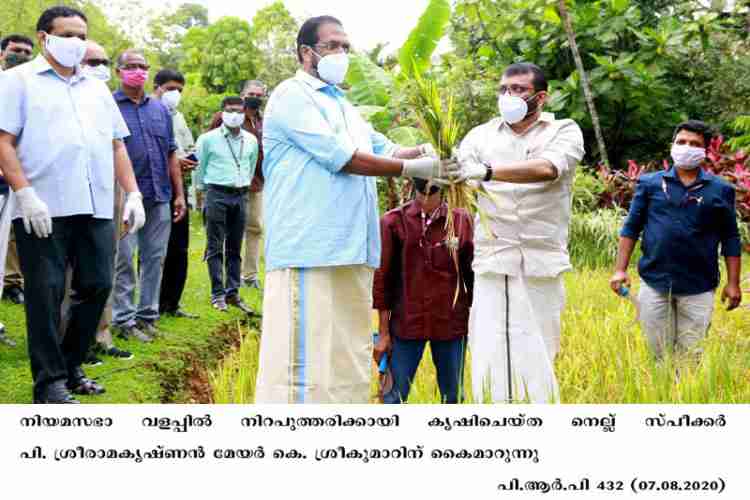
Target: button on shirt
x: 149, y: 145
x: 315, y: 215
x: 530, y: 220
x: 682, y: 228
x: 65, y: 130
x: 216, y: 162
x: 417, y: 277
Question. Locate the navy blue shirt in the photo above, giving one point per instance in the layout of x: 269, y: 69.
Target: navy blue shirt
x: 682, y: 227
x: 150, y: 142
x: 3, y: 186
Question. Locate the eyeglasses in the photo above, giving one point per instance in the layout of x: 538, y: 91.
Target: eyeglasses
x: 97, y: 62
x: 334, y: 46
x: 144, y: 67
x: 515, y: 89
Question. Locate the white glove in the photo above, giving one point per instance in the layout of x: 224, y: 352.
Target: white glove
x: 133, y: 212
x: 427, y: 149
x: 34, y: 212
x: 428, y: 168
x: 469, y: 171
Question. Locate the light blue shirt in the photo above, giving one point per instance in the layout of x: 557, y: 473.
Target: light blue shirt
x: 65, y: 130
x: 216, y: 163
x: 315, y: 215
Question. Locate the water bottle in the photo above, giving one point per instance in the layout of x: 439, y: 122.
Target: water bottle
x: 383, y: 366
x: 624, y: 292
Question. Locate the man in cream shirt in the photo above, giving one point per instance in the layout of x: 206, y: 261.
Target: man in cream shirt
x: 526, y: 159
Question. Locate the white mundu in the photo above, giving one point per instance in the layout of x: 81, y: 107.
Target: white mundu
x: 529, y: 245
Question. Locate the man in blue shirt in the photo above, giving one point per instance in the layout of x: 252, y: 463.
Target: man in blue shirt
x: 152, y: 149
x: 63, y: 180
x: 685, y: 214
x: 322, y: 227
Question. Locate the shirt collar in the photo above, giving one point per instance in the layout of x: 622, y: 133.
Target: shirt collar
x: 414, y: 209
x: 40, y: 65
x: 702, y: 175
x: 120, y: 96
x: 228, y: 133
x: 316, y: 83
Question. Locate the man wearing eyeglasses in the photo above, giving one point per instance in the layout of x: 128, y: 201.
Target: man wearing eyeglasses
x: 63, y: 178
x: 526, y: 159
x: 95, y: 65
x: 153, y: 150
x: 684, y: 214
x: 322, y: 241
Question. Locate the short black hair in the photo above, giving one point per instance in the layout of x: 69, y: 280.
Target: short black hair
x: 232, y: 99
x: 308, y: 33
x: 697, y: 127
x: 48, y: 16
x: 524, y: 68
x: 168, y: 75
x: 15, y: 39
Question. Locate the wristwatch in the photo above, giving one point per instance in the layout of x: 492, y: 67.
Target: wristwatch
x: 488, y: 175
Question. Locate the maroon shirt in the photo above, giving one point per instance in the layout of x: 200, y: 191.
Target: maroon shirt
x: 418, y: 283
x: 257, y: 130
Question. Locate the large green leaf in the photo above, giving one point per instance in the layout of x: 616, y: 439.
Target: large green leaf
x: 370, y: 84
x: 423, y: 39
x: 406, y: 136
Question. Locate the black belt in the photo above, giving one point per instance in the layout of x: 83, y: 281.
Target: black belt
x: 229, y: 189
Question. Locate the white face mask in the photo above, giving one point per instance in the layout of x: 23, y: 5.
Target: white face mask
x: 513, y: 109
x: 687, y: 157
x: 333, y: 67
x: 100, y: 72
x: 231, y: 119
x: 171, y: 100
x: 68, y: 52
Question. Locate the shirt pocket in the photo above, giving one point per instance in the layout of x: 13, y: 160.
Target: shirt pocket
x: 441, y: 259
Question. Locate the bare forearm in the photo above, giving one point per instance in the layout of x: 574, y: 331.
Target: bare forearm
x: 734, y: 265
x: 525, y: 171
x: 384, y: 316
x: 124, y: 168
x: 10, y: 165
x: 175, y: 175
x: 624, y: 251
x: 373, y: 165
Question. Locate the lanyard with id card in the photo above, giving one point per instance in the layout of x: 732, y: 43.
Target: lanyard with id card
x: 236, y: 161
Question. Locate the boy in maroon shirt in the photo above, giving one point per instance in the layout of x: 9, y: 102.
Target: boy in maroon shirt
x: 414, y: 290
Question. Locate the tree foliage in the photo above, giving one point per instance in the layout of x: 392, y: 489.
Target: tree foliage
x: 222, y: 54
x: 635, y: 53
x: 274, y: 33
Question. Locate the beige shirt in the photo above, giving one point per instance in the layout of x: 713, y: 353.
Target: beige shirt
x: 530, y: 220
x: 182, y: 135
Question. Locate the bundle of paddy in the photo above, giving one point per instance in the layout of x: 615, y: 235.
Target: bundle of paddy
x: 440, y: 124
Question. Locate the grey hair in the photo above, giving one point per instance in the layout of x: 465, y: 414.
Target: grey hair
x: 254, y: 83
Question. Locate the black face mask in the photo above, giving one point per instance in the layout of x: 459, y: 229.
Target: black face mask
x: 253, y: 102
x: 533, y: 105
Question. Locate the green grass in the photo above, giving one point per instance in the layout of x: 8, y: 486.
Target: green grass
x: 158, y: 372
x: 604, y: 357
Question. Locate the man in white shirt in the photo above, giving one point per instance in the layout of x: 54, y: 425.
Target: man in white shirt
x: 526, y: 159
